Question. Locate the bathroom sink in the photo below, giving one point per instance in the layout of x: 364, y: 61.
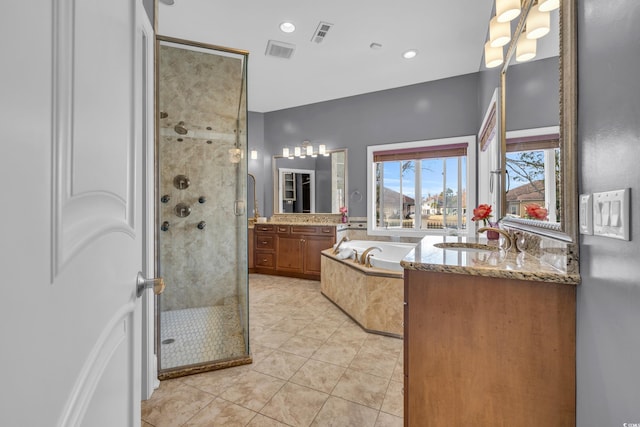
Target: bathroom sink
x: 467, y: 247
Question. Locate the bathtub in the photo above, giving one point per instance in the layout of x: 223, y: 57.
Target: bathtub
x: 390, y: 256
x: 372, y: 297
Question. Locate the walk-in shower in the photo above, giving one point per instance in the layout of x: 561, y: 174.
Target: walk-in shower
x: 202, y: 318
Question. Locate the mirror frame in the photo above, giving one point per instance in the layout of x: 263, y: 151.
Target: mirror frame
x: 275, y: 177
x: 566, y: 230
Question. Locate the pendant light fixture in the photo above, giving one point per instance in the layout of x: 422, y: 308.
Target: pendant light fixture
x: 548, y: 5
x: 507, y: 10
x: 526, y: 49
x: 538, y: 23
x: 499, y: 32
x: 492, y: 55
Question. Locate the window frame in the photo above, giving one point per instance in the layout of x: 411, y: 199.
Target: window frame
x: 471, y: 181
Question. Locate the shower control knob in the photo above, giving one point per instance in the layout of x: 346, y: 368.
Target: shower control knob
x: 164, y: 226
x: 202, y: 225
x: 202, y: 199
x: 165, y: 198
x: 182, y: 210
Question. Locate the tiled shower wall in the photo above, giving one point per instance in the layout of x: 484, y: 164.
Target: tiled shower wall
x: 203, y: 90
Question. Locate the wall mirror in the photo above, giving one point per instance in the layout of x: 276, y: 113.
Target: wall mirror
x: 562, y: 223
x: 310, y: 184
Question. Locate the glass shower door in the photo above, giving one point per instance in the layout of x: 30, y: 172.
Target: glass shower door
x: 202, y: 318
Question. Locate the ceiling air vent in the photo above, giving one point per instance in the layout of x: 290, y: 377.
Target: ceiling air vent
x: 321, y: 32
x: 279, y: 49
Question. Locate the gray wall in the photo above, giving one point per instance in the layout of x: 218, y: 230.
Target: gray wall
x: 443, y: 108
x: 533, y: 98
x: 608, y: 342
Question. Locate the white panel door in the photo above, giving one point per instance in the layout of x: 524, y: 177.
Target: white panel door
x: 71, y: 167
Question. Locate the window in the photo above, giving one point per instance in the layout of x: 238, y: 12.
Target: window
x: 421, y: 187
x: 533, y: 166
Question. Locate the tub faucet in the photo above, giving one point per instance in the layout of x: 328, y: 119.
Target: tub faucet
x: 507, y: 238
x: 344, y: 239
x: 364, y: 259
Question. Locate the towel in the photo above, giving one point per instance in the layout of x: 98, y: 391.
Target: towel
x: 345, y: 253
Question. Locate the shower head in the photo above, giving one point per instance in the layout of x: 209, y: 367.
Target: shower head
x: 180, y: 129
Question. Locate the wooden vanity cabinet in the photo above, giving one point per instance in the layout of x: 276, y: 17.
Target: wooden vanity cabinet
x: 488, y: 351
x: 264, y: 247
x: 292, y: 250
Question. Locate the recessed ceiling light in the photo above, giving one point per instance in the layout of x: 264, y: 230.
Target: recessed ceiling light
x: 410, y: 54
x: 287, y: 27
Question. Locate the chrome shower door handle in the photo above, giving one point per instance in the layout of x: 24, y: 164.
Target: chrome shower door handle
x: 156, y: 283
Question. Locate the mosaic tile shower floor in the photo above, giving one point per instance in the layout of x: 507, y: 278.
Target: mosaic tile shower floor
x: 197, y: 335
x: 312, y: 366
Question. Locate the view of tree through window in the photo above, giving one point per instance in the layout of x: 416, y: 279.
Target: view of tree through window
x: 534, y: 178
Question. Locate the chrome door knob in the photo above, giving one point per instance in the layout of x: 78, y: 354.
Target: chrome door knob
x: 156, y: 283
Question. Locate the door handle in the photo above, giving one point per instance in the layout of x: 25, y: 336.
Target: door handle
x: 157, y: 283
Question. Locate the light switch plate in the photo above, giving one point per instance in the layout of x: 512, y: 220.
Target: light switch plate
x: 586, y: 214
x: 611, y: 214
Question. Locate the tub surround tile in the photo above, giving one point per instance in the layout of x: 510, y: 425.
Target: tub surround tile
x: 373, y: 300
x: 508, y: 265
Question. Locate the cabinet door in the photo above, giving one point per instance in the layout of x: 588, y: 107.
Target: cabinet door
x: 289, y: 254
x: 313, y: 245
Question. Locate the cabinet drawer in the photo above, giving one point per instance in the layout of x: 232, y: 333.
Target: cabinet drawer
x: 264, y: 242
x: 303, y: 229
x: 329, y: 231
x: 264, y: 228
x: 264, y: 259
x: 282, y: 229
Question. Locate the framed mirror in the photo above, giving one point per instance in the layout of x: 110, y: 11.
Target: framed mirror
x: 563, y: 225
x: 311, y: 184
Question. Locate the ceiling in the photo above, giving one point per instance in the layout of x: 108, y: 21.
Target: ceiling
x: 449, y: 37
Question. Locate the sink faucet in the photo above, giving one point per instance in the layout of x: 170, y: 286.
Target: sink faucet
x: 344, y: 239
x: 507, y: 237
x: 364, y: 259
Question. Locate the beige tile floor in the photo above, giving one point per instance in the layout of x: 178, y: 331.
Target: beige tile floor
x: 312, y: 366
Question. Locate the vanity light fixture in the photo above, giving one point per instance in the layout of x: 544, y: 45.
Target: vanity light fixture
x: 548, y: 5
x: 499, y: 32
x: 526, y: 49
x: 254, y: 154
x: 507, y: 10
x: 492, y: 55
x: 287, y: 27
x: 538, y: 23
x: 306, y: 149
x: 410, y: 54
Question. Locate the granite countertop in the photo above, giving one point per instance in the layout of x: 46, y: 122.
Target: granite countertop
x: 504, y: 264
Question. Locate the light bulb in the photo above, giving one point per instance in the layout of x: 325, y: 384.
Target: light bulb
x: 285, y: 152
x: 548, y: 5
x: 492, y: 55
x: 507, y: 10
x: 254, y: 154
x: 296, y: 151
x: 526, y: 49
x: 499, y: 32
x: 538, y: 23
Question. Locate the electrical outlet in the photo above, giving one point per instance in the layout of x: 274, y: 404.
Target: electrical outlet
x: 611, y: 214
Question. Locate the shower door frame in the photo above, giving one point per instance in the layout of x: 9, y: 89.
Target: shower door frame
x: 175, y: 372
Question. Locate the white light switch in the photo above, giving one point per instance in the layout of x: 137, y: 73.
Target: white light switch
x: 611, y: 213
x: 586, y: 214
